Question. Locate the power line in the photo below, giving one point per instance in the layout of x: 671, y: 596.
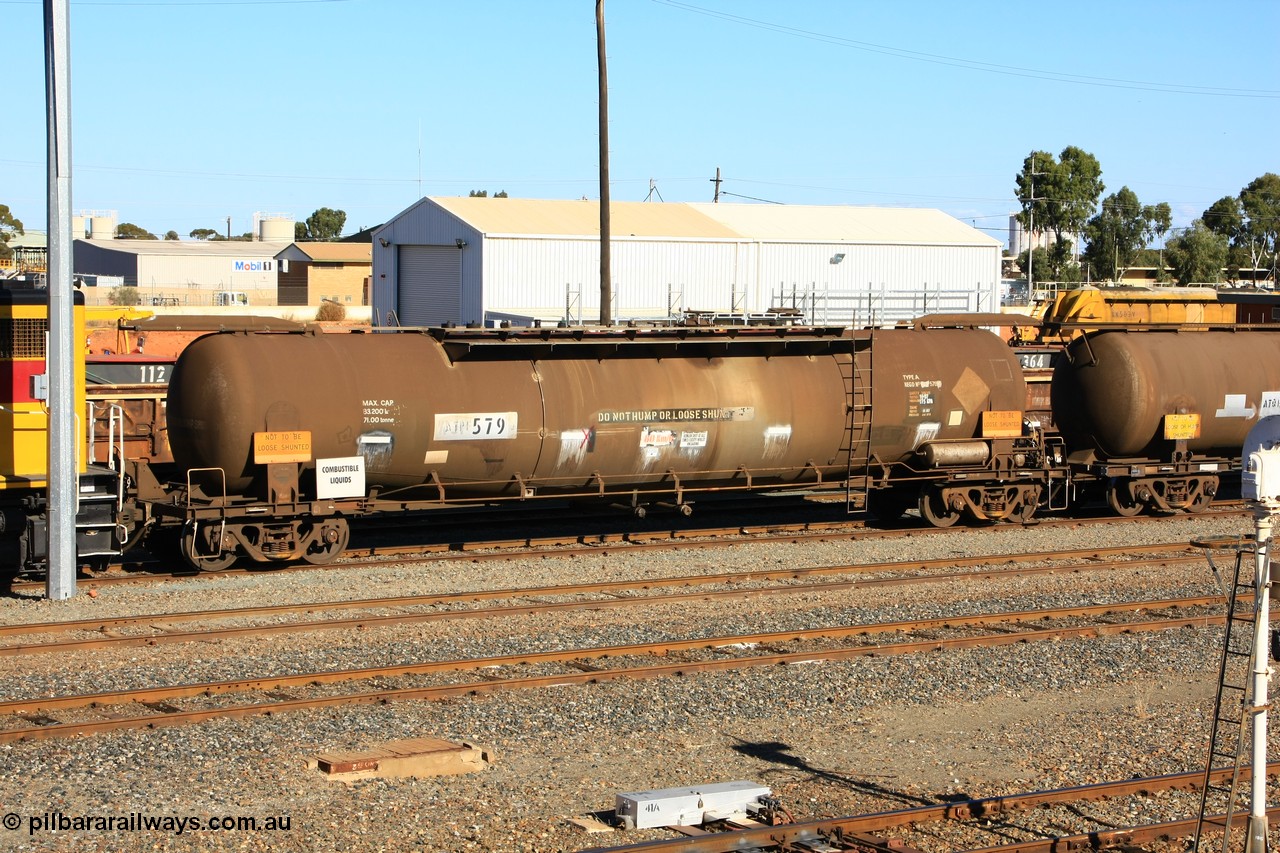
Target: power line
x: 751, y: 197
x: 975, y: 65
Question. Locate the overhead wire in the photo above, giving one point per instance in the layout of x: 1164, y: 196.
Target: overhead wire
x: 972, y: 64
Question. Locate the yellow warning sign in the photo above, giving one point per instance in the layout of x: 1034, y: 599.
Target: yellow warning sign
x: 1001, y: 424
x: 270, y: 447
x: 1181, y: 427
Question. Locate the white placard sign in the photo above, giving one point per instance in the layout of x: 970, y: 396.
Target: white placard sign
x: 340, y: 477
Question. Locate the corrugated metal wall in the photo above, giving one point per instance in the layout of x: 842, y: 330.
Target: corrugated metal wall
x: 213, y: 272
x: 877, y: 284
x: 90, y: 259
x: 550, y: 278
x: 553, y: 278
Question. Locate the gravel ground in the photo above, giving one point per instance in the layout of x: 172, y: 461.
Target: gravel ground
x: 830, y: 739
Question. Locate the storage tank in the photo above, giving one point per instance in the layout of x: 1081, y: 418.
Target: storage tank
x: 274, y: 227
x: 102, y: 227
x: 481, y: 417
x: 1112, y: 392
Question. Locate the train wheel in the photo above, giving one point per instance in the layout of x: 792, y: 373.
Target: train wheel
x: 328, y: 545
x: 1120, y: 498
x: 1026, y: 511
x: 934, y: 509
x: 191, y: 552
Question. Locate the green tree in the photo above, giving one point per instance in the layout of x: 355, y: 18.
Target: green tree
x: 1159, y: 219
x: 1261, y: 203
x: 1120, y: 230
x: 203, y: 233
x: 1250, y: 222
x: 299, y: 231
x: 325, y: 224
x: 1040, y: 261
x: 171, y: 235
x: 1226, y: 217
x: 485, y: 194
x: 1197, y: 255
x: 129, y: 231
x: 1058, y: 195
x: 10, y: 226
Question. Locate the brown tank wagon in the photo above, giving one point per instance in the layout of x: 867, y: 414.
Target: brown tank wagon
x: 277, y: 436
x: 305, y: 430
x: 1161, y: 414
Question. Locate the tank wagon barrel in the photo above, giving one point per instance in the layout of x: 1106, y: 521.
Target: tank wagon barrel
x: 1116, y: 389
x: 1158, y: 416
x: 419, y: 419
x: 495, y: 419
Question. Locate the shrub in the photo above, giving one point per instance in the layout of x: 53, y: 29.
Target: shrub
x: 331, y: 311
x: 124, y: 296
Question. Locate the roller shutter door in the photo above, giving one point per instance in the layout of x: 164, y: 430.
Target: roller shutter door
x: 291, y: 286
x: 430, y: 285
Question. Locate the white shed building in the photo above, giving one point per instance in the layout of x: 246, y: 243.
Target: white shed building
x: 485, y: 260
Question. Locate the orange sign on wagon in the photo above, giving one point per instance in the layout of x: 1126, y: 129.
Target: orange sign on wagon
x: 1001, y: 424
x: 290, y: 446
x: 1181, y: 427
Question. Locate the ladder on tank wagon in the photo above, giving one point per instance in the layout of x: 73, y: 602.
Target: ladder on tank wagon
x: 1231, y: 712
x: 856, y: 444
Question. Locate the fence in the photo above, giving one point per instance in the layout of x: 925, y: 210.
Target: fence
x: 874, y: 307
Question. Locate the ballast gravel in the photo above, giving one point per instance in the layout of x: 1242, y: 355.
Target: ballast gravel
x: 830, y: 738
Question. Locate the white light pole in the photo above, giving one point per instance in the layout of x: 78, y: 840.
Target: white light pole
x: 1260, y: 487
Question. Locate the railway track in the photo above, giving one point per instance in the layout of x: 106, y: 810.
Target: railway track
x: 30, y: 718
x: 985, y: 818
x: 159, y: 628
x: 534, y: 674
x: 587, y: 544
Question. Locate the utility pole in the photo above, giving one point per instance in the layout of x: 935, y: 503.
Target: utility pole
x: 606, y: 288
x: 716, y: 180
x: 1031, y: 228
x: 63, y: 473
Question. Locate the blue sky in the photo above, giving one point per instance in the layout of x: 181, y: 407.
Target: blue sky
x: 185, y: 112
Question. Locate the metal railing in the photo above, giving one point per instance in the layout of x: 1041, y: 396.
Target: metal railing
x: 873, y: 307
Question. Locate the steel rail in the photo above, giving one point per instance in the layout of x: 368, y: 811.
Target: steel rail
x: 855, y: 827
x: 591, y: 675
x: 369, y: 621
x: 575, y: 546
x: 1110, y: 839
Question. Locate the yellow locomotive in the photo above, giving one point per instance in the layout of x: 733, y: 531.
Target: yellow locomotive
x: 24, y: 455
x: 1073, y: 312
